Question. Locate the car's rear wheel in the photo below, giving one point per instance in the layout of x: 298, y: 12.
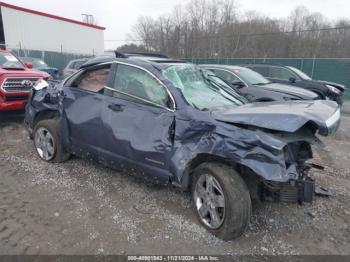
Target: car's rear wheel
x: 48, y: 143
x: 221, y: 199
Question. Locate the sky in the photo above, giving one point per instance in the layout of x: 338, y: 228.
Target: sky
x: 118, y: 16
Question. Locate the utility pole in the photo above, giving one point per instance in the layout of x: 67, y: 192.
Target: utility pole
x: 87, y: 18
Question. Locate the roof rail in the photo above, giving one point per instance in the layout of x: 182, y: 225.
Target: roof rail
x: 146, y: 54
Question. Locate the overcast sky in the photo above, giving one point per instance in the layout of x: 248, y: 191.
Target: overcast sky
x: 118, y: 16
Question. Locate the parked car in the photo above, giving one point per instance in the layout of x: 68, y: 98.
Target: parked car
x: 73, y: 66
x: 40, y: 65
x: 16, y: 80
x: 257, y: 88
x: 293, y: 76
x: 169, y: 124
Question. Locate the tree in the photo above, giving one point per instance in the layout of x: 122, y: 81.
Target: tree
x: 213, y: 29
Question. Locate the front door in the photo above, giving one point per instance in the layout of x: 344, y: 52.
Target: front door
x: 138, y: 119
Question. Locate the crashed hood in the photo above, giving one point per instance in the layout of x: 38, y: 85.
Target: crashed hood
x: 286, y: 117
x: 339, y: 86
x: 296, y: 91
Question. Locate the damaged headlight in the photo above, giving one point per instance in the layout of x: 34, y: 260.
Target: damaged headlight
x: 40, y: 84
x: 333, y: 89
x: 297, y: 153
x: 333, y: 119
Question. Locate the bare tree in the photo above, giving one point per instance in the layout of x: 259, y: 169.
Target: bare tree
x: 214, y: 29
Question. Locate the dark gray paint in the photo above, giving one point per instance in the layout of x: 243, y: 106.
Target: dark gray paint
x: 164, y: 143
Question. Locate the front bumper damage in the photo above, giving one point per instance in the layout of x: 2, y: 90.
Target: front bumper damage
x: 295, y: 191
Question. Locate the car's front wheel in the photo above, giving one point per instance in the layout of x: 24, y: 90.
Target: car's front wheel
x: 48, y: 143
x: 221, y: 199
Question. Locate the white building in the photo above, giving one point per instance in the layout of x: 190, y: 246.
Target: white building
x: 26, y: 29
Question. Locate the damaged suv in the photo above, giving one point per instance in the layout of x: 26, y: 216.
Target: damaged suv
x: 173, y: 126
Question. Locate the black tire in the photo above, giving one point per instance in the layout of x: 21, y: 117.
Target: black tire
x: 60, y: 154
x: 237, y: 200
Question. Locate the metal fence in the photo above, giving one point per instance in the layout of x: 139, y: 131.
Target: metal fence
x: 328, y: 69
x: 54, y: 59
x: 333, y: 70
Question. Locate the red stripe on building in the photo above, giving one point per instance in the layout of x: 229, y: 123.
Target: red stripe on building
x: 50, y: 16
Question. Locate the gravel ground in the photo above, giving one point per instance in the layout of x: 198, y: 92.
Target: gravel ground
x: 82, y: 208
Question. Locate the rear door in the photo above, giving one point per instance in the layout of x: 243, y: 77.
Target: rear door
x: 138, y: 118
x: 82, y: 103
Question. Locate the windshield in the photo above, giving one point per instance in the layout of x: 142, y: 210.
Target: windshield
x: 36, y: 62
x: 199, y: 91
x: 251, y: 77
x: 300, y: 73
x: 10, y: 61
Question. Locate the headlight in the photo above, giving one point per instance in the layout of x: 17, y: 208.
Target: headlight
x: 333, y: 119
x: 41, y: 84
x: 333, y: 89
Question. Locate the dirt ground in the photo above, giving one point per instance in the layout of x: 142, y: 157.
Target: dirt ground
x: 82, y: 208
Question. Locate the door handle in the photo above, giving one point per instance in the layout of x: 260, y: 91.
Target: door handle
x: 116, y: 107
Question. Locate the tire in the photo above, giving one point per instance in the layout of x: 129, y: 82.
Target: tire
x: 49, y: 129
x: 234, y: 217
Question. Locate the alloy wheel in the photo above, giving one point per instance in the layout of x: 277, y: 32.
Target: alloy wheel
x: 45, y: 144
x: 210, y: 201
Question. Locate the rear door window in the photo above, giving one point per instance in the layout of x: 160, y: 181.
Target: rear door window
x: 93, y: 80
x: 281, y: 73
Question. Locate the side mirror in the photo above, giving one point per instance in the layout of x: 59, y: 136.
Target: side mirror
x: 292, y: 80
x: 29, y: 65
x: 238, y: 84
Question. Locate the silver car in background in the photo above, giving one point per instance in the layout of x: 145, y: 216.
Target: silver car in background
x: 73, y: 66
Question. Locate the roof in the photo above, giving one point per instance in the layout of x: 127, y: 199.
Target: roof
x: 30, y: 11
x: 265, y: 64
x: 131, y: 60
x: 230, y: 67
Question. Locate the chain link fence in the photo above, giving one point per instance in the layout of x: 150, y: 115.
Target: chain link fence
x: 328, y: 69
x: 54, y: 59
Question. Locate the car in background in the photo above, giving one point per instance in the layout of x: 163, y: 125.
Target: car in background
x: 255, y: 87
x: 170, y: 125
x: 73, y: 66
x: 16, y: 80
x: 40, y: 65
x: 293, y: 76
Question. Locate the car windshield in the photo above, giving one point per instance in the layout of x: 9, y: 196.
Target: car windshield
x: 300, y: 73
x: 10, y: 61
x: 36, y: 62
x: 251, y: 77
x: 198, y: 90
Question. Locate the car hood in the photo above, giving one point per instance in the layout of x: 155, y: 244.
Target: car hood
x: 291, y: 90
x: 339, y: 86
x: 286, y: 117
x: 47, y: 69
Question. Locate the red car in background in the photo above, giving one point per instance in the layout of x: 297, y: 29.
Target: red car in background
x: 16, y: 80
